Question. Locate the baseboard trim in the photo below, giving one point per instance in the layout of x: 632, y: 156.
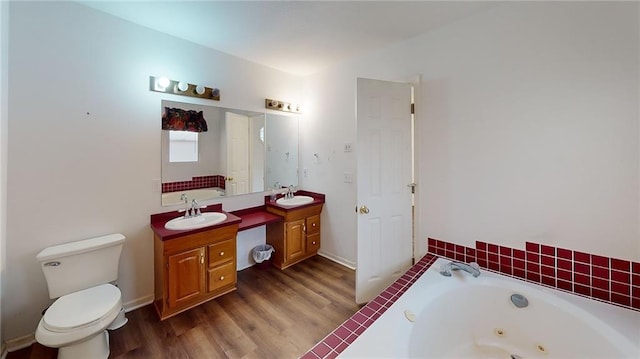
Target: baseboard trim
x: 12, y: 345
x: 4, y: 351
x: 137, y: 303
x: 20, y: 343
x: 342, y: 261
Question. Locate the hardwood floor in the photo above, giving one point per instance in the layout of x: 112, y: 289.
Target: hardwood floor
x: 272, y: 314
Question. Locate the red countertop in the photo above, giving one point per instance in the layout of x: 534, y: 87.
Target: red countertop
x: 158, y: 221
x: 245, y: 218
x: 255, y: 217
x: 318, y: 198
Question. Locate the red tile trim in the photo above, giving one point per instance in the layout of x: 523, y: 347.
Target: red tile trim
x: 195, y: 183
x: 618, y: 284
x: 599, y: 261
x: 334, y: 343
x: 564, y: 253
x: 612, y: 280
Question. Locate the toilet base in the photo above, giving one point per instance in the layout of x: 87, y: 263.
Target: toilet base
x: 119, y: 322
x: 94, y: 348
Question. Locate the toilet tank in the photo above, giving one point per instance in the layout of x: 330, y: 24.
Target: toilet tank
x: 74, y: 266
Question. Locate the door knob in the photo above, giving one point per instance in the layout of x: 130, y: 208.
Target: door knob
x: 229, y: 178
x: 364, y: 210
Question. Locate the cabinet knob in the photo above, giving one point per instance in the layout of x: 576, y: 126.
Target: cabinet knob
x: 221, y: 277
x: 314, y: 224
x: 314, y: 242
x: 222, y: 253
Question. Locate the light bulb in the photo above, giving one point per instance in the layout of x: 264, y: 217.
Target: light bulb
x: 163, y: 83
x: 183, y: 86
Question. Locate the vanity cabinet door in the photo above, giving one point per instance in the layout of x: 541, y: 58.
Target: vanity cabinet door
x: 297, y: 238
x: 294, y: 239
x: 193, y: 268
x: 186, y: 273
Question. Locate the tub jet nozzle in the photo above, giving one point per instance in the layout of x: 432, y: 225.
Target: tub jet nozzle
x: 519, y: 301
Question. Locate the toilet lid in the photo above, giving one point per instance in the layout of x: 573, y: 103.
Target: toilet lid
x: 81, y: 308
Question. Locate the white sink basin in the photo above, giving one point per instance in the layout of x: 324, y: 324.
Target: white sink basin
x: 295, y: 201
x: 204, y: 220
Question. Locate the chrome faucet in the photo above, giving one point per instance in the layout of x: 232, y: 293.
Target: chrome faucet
x: 472, y: 268
x: 186, y: 205
x: 195, y: 208
x: 290, y: 192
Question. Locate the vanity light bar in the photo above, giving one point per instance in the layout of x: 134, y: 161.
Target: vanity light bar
x: 163, y: 84
x: 281, y: 106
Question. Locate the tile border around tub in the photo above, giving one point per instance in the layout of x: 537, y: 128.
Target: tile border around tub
x: 338, y: 340
x: 195, y: 183
x: 610, y: 280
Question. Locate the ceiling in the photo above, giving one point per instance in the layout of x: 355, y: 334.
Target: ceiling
x: 298, y: 37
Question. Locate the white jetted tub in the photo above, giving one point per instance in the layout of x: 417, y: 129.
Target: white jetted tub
x: 462, y: 316
x: 200, y: 194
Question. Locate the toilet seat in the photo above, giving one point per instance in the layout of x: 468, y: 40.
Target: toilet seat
x: 81, y: 309
x: 71, y: 337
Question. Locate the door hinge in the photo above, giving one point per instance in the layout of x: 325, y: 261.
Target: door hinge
x: 413, y: 187
x: 413, y: 108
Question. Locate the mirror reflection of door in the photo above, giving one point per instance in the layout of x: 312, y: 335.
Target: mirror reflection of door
x: 256, y: 153
x: 237, y: 181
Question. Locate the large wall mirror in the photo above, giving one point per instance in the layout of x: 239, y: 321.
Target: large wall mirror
x: 241, y: 152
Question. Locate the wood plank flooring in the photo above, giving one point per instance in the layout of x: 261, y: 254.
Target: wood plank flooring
x: 272, y: 314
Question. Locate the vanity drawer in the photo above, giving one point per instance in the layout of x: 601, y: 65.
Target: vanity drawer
x: 313, y: 243
x: 221, y: 252
x: 313, y: 224
x: 221, y: 276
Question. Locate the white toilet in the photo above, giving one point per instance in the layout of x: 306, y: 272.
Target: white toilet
x: 80, y: 274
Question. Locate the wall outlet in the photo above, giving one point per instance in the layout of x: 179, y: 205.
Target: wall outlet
x: 348, y: 177
x: 348, y: 147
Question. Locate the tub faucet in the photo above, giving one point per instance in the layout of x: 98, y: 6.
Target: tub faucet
x: 472, y: 268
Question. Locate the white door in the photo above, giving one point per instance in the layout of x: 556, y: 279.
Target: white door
x: 237, y: 181
x: 384, y: 245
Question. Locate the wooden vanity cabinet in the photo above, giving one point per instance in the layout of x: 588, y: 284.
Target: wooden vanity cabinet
x: 297, y: 238
x: 195, y: 268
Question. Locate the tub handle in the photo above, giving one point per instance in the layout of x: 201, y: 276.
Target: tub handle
x: 52, y: 264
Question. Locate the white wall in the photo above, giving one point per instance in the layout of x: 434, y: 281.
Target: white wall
x: 4, y: 118
x: 85, y: 138
x: 527, y: 129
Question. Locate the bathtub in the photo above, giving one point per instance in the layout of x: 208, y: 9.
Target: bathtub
x: 466, y: 317
x: 173, y: 198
